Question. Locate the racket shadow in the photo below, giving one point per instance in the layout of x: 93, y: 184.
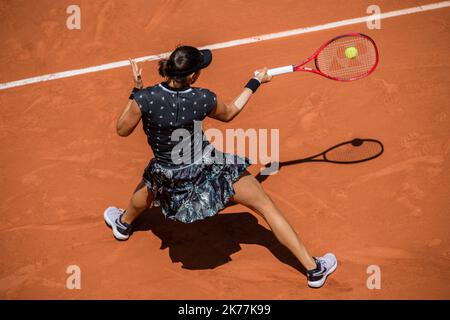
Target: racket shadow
x: 347, y: 152
x: 209, y: 243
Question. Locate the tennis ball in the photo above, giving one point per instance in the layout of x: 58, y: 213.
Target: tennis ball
x: 351, y: 52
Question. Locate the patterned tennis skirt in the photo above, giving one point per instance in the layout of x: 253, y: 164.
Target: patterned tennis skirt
x: 196, y: 191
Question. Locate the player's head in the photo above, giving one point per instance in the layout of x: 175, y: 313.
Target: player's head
x: 184, y: 64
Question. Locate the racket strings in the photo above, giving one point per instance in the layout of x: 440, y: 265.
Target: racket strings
x: 332, y: 60
x: 350, y: 153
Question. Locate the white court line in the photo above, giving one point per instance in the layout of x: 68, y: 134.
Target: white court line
x: 233, y: 43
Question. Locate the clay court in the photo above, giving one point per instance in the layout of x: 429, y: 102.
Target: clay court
x: 62, y: 163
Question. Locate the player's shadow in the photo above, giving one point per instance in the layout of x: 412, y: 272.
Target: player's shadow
x: 209, y: 243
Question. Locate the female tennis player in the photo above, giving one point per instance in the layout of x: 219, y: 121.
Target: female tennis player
x: 188, y: 178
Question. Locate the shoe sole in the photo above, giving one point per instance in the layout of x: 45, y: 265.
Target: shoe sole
x: 320, y: 283
x: 112, y: 225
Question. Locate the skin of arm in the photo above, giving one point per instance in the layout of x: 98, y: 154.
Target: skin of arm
x: 129, y: 119
x: 131, y: 114
x: 227, y: 111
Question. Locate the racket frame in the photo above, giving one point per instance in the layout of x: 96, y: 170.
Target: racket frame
x: 300, y: 67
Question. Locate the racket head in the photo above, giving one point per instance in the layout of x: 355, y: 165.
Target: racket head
x: 331, y: 61
x: 354, y: 151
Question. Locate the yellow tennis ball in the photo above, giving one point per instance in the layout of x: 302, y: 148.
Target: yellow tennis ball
x: 351, y: 52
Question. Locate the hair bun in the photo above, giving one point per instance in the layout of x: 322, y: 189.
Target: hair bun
x: 181, y: 62
x: 164, y: 67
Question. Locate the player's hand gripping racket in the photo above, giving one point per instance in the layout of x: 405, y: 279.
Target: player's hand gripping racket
x: 345, y: 58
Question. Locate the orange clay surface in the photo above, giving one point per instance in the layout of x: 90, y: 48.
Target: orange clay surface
x: 62, y: 164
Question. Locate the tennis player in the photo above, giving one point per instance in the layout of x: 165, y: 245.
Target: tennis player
x: 188, y: 178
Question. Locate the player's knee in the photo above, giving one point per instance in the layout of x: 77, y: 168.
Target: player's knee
x: 263, y: 203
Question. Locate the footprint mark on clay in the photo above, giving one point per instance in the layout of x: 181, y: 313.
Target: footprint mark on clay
x: 339, y: 286
x: 447, y: 255
x: 311, y: 111
x: 447, y: 147
x: 415, y: 211
x: 440, y: 117
x: 369, y: 254
x: 404, y: 166
x: 409, y: 192
x: 418, y: 144
x: 434, y: 243
x: 107, y: 174
x: 339, y: 193
x: 41, y: 100
x: 389, y: 91
x: 81, y: 158
x: 36, y: 176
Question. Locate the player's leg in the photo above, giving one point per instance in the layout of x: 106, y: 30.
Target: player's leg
x: 120, y: 220
x: 249, y: 192
x: 141, y: 200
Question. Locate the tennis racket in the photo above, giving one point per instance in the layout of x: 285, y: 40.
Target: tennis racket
x: 347, y: 57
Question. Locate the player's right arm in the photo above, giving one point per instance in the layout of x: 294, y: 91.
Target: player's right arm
x: 227, y: 111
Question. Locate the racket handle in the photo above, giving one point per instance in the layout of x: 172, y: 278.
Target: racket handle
x: 280, y: 70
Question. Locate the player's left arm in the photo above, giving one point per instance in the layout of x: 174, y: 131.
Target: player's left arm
x: 132, y: 114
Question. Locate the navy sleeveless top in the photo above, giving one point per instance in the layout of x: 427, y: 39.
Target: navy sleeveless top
x: 166, y: 110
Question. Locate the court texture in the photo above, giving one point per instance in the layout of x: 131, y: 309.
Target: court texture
x: 62, y: 163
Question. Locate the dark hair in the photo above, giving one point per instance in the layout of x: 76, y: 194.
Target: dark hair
x: 183, y: 58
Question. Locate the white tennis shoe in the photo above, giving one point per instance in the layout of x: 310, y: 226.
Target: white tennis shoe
x: 121, y: 230
x: 325, y: 266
